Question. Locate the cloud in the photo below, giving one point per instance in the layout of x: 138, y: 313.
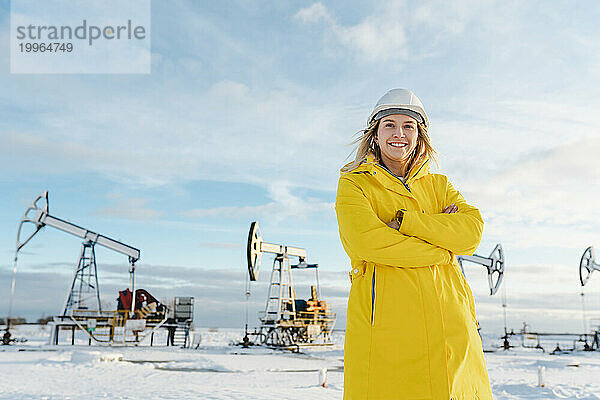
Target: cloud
x: 132, y: 208
x: 315, y: 13
x: 394, y: 31
x: 376, y: 37
x: 446, y: 17
x: 284, y: 205
x: 544, y: 194
x: 527, y: 164
x: 240, y: 135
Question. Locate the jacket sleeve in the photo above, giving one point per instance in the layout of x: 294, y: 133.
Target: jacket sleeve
x: 458, y: 232
x: 366, y: 237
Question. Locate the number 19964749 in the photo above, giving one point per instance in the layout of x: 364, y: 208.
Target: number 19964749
x: 46, y: 47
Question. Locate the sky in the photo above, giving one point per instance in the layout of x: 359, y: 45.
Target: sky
x: 248, y: 114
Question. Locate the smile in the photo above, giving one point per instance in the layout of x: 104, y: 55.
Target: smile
x: 398, y: 144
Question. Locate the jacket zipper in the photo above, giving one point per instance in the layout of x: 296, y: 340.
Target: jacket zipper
x: 405, y: 184
x: 373, y: 298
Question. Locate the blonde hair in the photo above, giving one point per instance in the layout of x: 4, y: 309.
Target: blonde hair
x: 367, y: 145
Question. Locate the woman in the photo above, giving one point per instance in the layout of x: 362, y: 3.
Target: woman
x: 411, y: 330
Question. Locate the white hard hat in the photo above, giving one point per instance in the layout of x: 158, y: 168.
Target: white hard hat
x: 399, y: 101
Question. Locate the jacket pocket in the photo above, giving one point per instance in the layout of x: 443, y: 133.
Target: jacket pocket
x: 357, y: 271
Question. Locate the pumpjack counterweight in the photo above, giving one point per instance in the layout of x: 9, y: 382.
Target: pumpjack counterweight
x: 587, y: 265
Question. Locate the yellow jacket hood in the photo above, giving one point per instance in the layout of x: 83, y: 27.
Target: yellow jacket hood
x: 419, y: 170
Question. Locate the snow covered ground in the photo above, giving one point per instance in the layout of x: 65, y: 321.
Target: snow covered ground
x: 217, y: 370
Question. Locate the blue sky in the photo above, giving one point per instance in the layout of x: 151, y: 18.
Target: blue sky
x: 248, y: 115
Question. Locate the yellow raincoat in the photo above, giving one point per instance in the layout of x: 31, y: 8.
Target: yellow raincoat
x: 411, y: 330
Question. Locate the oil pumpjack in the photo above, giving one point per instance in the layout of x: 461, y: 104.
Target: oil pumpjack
x: 137, y: 315
x: 287, y: 322
x: 494, y: 265
x: 587, y: 266
x: 590, y: 339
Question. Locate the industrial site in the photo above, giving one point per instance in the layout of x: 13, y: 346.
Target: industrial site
x: 347, y: 200
x: 293, y: 341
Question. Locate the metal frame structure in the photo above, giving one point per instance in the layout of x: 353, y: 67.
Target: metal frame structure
x: 85, y: 280
x: 282, y: 324
x: 494, y: 265
x: 495, y: 273
x: 86, y: 274
x: 84, y: 288
x: 109, y: 327
x: 591, y: 340
x: 587, y: 266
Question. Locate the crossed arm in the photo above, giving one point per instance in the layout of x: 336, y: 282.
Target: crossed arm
x: 458, y: 231
x: 366, y: 237
x: 422, y: 239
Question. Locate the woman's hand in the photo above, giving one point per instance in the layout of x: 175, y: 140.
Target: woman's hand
x: 393, y: 224
x: 450, y: 209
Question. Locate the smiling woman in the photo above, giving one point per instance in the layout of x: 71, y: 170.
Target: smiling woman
x: 411, y: 330
x: 396, y: 139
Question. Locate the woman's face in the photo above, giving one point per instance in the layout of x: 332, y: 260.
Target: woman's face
x: 397, y: 137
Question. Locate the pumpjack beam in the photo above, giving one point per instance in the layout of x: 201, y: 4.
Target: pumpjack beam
x: 40, y: 217
x: 256, y: 247
x: 494, y: 265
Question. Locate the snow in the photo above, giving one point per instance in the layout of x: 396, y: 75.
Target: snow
x: 218, y: 370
